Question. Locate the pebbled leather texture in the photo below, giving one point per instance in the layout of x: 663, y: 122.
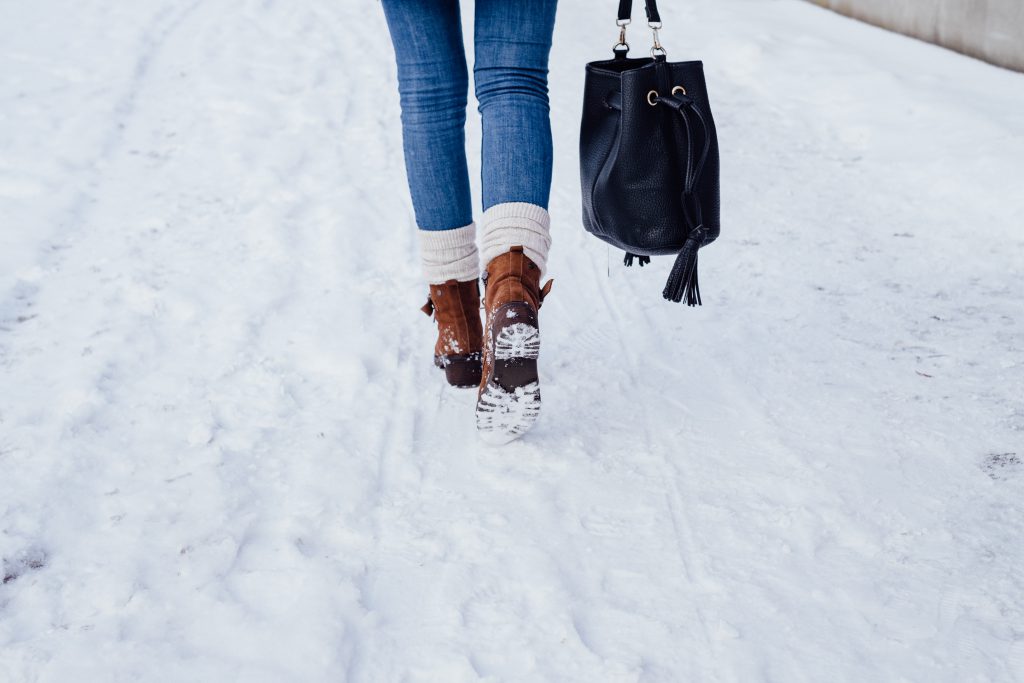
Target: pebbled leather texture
x: 633, y: 156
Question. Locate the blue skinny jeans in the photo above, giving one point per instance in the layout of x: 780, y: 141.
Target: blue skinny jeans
x: 511, y: 45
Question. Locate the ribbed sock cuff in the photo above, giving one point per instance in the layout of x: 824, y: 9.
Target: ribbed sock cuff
x: 506, y: 225
x: 450, y: 254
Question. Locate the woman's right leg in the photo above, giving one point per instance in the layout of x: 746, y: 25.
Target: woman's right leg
x: 512, y: 42
x: 433, y: 87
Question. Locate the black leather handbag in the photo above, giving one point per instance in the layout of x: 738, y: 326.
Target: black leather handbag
x: 649, y: 157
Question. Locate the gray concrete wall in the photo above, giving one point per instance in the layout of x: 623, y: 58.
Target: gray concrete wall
x: 992, y: 30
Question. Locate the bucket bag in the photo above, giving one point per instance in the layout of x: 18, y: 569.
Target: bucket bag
x: 649, y: 157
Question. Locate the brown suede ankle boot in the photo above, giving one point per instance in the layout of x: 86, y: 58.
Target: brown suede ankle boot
x: 508, y: 401
x: 456, y: 308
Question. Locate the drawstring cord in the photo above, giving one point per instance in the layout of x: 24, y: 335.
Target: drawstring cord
x: 682, y: 280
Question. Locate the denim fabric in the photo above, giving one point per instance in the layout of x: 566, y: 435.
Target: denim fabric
x: 512, y: 41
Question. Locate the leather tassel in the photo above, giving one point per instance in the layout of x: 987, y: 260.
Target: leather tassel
x: 641, y: 260
x: 682, y: 281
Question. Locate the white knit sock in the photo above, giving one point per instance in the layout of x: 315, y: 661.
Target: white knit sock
x: 450, y: 254
x: 516, y: 223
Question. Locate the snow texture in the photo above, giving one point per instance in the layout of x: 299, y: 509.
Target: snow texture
x: 225, y: 454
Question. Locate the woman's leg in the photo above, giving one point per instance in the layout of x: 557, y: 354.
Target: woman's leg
x: 512, y: 44
x: 513, y: 39
x: 433, y: 86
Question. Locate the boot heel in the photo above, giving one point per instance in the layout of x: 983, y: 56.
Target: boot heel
x: 517, y: 341
x: 509, y: 400
x: 463, y: 372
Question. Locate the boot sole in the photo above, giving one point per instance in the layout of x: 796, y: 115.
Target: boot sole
x: 461, y: 371
x: 509, y: 403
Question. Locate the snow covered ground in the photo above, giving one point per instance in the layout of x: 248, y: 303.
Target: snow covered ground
x: 225, y: 454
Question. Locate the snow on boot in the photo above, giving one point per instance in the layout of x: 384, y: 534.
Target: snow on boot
x: 456, y: 308
x: 508, y: 401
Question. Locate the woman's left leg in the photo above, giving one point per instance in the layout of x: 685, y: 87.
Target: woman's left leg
x: 433, y: 86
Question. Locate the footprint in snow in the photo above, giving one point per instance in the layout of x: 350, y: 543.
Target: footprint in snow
x: 22, y: 563
x: 1002, y: 466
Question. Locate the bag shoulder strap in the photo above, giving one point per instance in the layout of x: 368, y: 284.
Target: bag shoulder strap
x: 651, y: 6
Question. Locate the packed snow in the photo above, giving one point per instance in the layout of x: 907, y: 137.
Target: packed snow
x: 225, y: 454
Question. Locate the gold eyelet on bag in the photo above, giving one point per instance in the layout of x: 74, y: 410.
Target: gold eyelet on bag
x: 650, y: 97
x: 679, y: 88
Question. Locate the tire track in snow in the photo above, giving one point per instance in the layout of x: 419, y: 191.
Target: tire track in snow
x: 679, y: 512
x: 18, y: 302
x: 159, y: 30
